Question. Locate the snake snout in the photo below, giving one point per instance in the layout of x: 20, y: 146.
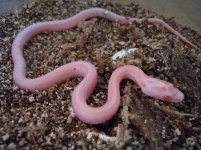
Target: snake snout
x: 179, y: 97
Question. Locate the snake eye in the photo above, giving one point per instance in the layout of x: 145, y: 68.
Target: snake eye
x: 167, y: 98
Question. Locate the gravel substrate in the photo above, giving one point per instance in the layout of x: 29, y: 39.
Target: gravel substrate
x: 45, y: 120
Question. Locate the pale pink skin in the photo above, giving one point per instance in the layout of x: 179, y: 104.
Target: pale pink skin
x: 93, y: 115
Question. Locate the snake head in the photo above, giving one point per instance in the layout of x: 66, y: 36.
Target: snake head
x: 162, y: 90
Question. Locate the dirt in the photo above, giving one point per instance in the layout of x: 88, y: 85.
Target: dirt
x: 45, y: 119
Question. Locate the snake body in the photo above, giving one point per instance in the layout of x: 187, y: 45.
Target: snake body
x: 93, y: 115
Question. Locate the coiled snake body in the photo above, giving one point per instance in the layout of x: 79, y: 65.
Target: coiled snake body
x: 93, y: 115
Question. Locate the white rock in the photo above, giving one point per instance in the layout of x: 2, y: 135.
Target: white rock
x: 11, y: 146
x: 177, y: 132
x: 20, y: 120
x: 106, y: 138
x: 123, y: 53
x: 119, y: 54
x: 5, y: 137
x: 31, y: 99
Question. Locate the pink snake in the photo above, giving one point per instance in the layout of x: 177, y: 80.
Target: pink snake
x: 93, y: 115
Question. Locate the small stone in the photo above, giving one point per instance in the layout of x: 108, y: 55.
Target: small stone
x: 107, y: 68
x: 175, y: 139
x: 122, y: 43
x: 44, y: 115
x: 6, y: 39
x: 22, y: 142
x: 69, y: 88
x: 69, y: 120
x: 89, y: 136
x: 190, y: 141
x: 31, y: 99
x: 48, y: 141
x: 4, y: 118
x: 138, y: 61
x: 188, y: 125
x: 3, y: 20
x: 64, y: 148
x: 177, y: 132
x: 11, y: 146
x: 20, y: 120
x: 52, y: 135
x: 135, y: 142
x: 129, y: 148
x: 64, y: 46
x: 15, y: 88
x: 168, y: 144
x: 5, y: 137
